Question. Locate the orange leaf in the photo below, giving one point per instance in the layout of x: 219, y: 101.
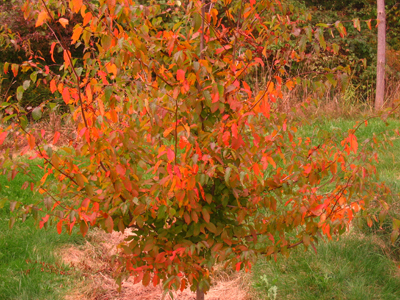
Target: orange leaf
x: 77, y: 33
x: 101, y: 107
x: 66, y: 59
x: 56, y: 137
x: 64, y: 22
x: 87, y: 18
x: 14, y: 68
x: 289, y: 84
x: 75, y: 5
x: 43, y: 16
x: 112, y: 68
x: 52, y: 51
x: 60, y: 88
x: 353, y: 143
x: 53, y: 86
x: 31, y: 141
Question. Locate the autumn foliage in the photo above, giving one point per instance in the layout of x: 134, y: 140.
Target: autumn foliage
x: 175, y: 138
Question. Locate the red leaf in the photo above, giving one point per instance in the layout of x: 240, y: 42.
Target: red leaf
x: 234, y: 130
x: 120, y: 170
x: 238, y: 266
x: 256, y: 169
x: 226, y: 137
x: 170, y: 154
x: 215, y: 97
x: 66, y: 96
x: 44, y: 220
x: 59, y: 226
x: 180, y: 75
x: 3, y: 136
x: 109, y: 224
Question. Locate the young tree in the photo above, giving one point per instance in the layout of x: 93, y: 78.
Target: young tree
x: 173, y: 141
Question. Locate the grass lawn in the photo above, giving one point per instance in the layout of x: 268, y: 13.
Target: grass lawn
x: 24, y: 248
x: 355, y: 267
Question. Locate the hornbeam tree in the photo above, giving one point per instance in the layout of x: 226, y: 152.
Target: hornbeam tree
x: 174, y: 141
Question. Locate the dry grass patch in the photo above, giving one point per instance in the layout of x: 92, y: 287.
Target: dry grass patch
x: 93, y: 263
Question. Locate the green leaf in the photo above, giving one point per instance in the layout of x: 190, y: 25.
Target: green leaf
x: 228, y: 172
x: 177, y: 25
x: 37, y: 113
x: 23, y: 121
x: 79, y: 71
x: 211, y: 227
x: 26, y: 84
x: 331, y: 79
x: 356, y: 23
x: 20, y: 92
x: 11, y: 222
x: 2, y: 202
x: 206, y: 215
x: 335, y: 48
x: 161, y: 212
x: 33, y: 76
x: 196, y: 22
x: 394, y: 236
x: 107, y: 93
x: 321, y: 38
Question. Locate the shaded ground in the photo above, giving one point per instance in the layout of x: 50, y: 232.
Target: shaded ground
x: 92, y: 261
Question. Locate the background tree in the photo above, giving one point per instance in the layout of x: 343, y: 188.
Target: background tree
x: 381, y: 56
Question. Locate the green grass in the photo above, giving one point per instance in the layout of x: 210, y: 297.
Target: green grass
x: 353, y: 267
x: 24, y: 247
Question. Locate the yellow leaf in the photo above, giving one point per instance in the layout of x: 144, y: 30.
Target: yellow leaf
x: 77, y: 33
x: 64, y: 22
x: 43, y: 16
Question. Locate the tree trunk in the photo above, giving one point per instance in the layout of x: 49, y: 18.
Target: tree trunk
x: 381, y: 56
x: 199, y: 294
